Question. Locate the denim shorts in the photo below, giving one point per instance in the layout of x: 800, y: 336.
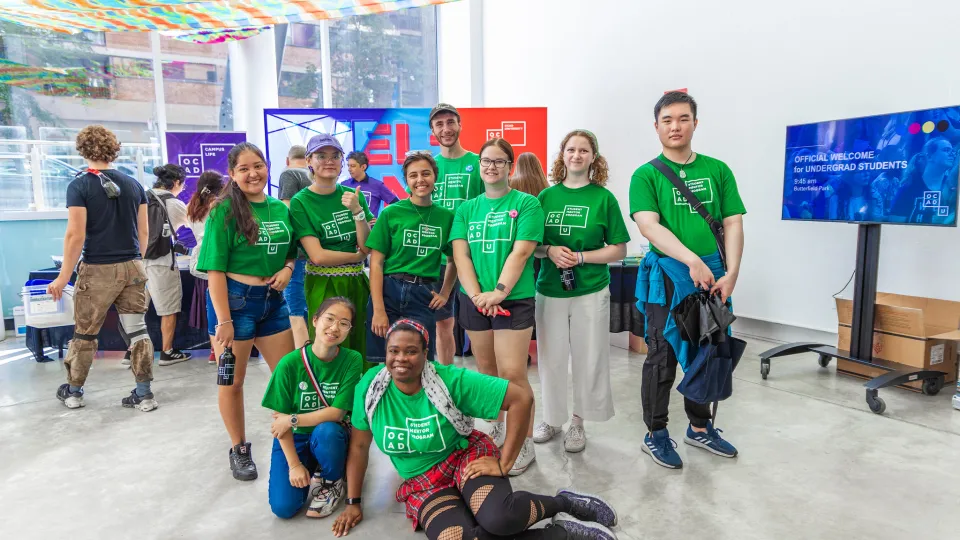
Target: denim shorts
x: 256, y: 311
x: 294, y: 293
x: 449, y: 309
x: 403, y: 300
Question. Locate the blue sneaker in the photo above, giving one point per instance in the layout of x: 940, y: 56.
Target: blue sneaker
x: 578, y: 529
x: 661, y: 448
x: 710, y: 441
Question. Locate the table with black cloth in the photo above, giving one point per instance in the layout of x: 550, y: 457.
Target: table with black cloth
x: 624, y: 315
x: 110, y: 339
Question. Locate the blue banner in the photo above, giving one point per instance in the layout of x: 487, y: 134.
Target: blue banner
x: 891, y: 168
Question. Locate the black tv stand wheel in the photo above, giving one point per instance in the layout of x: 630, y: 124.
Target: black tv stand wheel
x: 932, y: 387
x: 765, y: 369
x: 875, y: 402
x: 824, y: 360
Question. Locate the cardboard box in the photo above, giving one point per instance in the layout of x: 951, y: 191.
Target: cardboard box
x: 909, y: 331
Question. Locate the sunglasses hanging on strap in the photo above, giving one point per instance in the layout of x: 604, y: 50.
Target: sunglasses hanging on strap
x: 109, y: 186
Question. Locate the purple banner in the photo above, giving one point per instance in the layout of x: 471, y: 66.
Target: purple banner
x: 199, y: 151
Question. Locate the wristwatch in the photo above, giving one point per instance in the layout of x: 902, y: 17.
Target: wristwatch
x: 360, y: 216
x: 355, y: 500
x: 294, y: 421
x: 502, y: 288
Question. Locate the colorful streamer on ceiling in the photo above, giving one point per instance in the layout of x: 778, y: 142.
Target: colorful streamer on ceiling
x: 72, y: 16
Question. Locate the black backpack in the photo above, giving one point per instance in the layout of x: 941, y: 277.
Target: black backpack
x: 162, y: 235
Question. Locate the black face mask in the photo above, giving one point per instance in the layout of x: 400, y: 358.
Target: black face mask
x: 109, y: 186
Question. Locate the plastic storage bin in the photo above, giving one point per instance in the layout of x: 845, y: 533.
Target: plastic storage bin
x: 40, y: 310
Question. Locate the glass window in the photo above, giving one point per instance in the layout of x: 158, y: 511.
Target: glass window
x: 382, y: 60
x: 194, y: 75
x: 387, y: 60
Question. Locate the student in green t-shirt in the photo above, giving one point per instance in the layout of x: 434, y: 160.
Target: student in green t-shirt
x: 405, y: 250
x: 494, y: 237
x: 330, y: 221
x: 458, y: 180
x: 684, y: 257
x: 248, y: 253
x: 584, y: 231
x: 311, y: 394
x: 420, y: 414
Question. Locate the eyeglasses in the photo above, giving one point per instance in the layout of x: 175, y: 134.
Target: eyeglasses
x: 330, y: 320
x: 328, y: 157
x: 498, y: 163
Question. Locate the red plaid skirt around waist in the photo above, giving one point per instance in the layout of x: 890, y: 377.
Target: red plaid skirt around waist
x: 415, y: 491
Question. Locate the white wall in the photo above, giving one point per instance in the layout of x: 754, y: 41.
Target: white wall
x: 754, y: 67
x: 460, y: 47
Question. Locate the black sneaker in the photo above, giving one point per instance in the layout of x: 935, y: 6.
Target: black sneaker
x: 582, y: 530
x: 73, y: 400
x: 241, y: 463
x: 586, y: 507
x: 146, y: 403
x: 173, y: 357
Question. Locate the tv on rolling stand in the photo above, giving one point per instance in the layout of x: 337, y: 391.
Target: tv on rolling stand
x: 890, y: 169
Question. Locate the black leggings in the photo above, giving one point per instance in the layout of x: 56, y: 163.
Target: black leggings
x: 487, y: 508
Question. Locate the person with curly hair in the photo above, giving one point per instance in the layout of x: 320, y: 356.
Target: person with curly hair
x: 584, y: 231
x: 107, y: 224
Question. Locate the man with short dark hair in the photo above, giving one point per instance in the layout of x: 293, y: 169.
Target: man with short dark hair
x: 377, y: 193
x: 293, y: 179
x: 458, y: 180
x: 684, y: 257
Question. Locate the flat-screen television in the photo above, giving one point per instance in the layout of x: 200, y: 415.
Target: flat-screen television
x: 891, y: 168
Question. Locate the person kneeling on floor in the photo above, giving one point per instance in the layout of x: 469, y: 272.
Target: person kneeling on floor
x: 455, y: 483
x: 311, y: 392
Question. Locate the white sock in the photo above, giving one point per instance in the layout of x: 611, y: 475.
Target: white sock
x: 576, y: 421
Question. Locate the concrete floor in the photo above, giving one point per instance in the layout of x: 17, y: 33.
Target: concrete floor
x: 815, y: 463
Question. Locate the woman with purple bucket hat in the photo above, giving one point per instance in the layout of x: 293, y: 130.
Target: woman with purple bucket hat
x: 330, y: 221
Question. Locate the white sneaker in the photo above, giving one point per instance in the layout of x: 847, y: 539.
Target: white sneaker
x: 327, y: 496
x: 575, y: 440
x: 72, y: 400
x: 528, y: 455
x: 126, y: 359
x: 498, y: 432
x: 543, y: 432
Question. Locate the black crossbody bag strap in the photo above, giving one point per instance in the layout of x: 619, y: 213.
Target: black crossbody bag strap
x: 716, y: 227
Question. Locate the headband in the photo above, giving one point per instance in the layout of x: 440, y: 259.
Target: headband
x: 593, y: 138
x: 411, y: 323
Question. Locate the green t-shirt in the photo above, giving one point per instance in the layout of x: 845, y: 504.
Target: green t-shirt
x: 412, y: 238
x: 411, y: 431
x: 290, y: 390
x: 458, y: 180
x: 224, y: 249
x: 326, y: 218
x: 708, y: 178
x: 582, y: 219
x: 491, y: 226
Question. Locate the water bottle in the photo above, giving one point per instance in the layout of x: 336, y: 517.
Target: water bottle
x: 225, y: 368
x: 568, y: 279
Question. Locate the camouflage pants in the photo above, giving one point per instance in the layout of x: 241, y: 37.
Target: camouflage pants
x: 100, y: 286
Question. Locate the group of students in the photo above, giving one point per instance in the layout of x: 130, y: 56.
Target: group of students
x: 463, y: 244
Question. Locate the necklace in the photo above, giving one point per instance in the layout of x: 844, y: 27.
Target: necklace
x: 417, y: 210
x: 682, y: 173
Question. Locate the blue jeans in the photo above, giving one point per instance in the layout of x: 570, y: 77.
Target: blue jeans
x: 256, y: 311
x: 323, y: 451
x: 403, y: 300
x: 294, y: 293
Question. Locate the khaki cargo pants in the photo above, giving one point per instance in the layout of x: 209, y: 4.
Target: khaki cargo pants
x: 100, y: 286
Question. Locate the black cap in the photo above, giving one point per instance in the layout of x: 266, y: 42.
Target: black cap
x: 444, y: 107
